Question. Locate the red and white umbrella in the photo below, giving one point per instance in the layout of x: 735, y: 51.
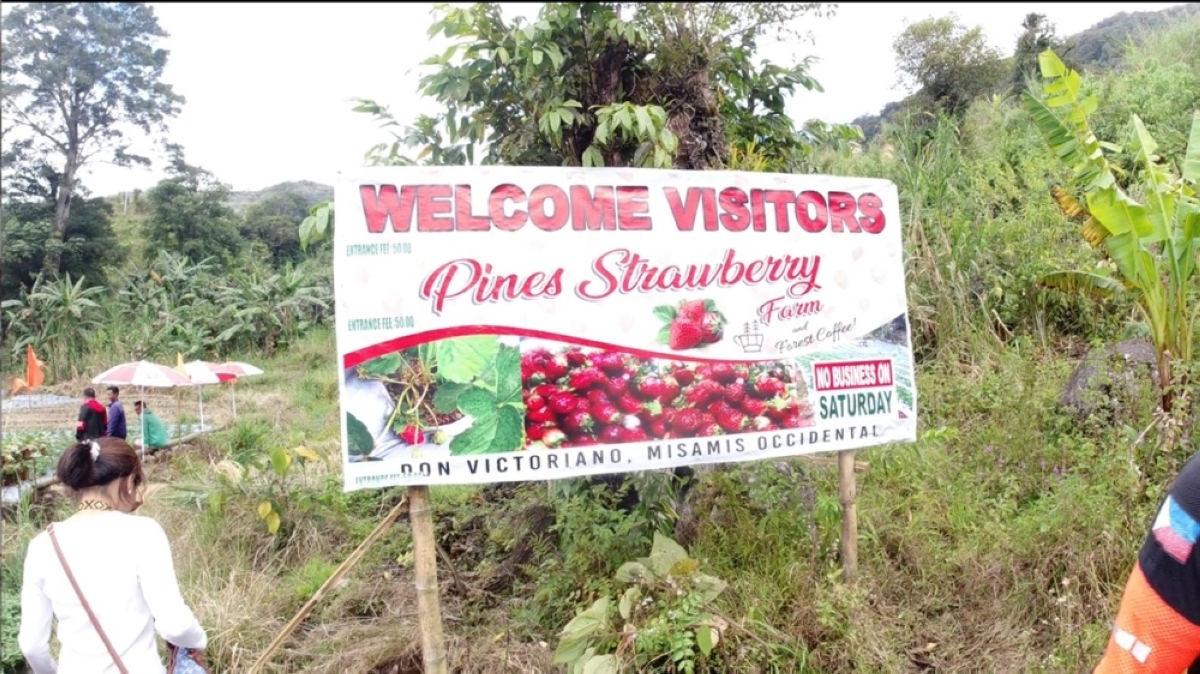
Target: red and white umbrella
x: 201, y: 372
x: 142, y: 374
x: 239, y: 369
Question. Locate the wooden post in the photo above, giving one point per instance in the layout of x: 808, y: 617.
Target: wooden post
x: 429, y: 609
x: 848, y: 494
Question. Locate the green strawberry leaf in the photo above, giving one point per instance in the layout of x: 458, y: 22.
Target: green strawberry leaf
x: 445, y: 400
x: 710, y: 306
x: 493, y: 431
x: 383, y: 365
x: 664, y: 335
x: 360, y: 440
x: 508, y: 376
x: 666, y: 313
x: 461, y: 359
x: 477, y: 402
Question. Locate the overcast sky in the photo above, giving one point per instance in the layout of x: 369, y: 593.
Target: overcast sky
x: 267, y: 84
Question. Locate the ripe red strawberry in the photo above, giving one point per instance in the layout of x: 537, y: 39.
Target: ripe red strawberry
x: 692, y: 310
x: 722, y: 373
x: 540, y: 415
x: 535, y: 432
x: 629, y: 404
x: 605, y: 413
x: 412, y: 435
x: 577, y: 422
x: 535, y: 402
x: 598, y: 395
x: 702, y: 392
x: 735, y: 393
x: 633, y: 435
x: 684, y: 376
x: 709, y: 430
x: 770, y: 427
x: 767, y: 386
x: 684, y: 334
x: 730, y: 420
x: 586, y: 379
x: 609, y: 363
x: 584, y: 441
x: 650, y: 388
x: 610, y: 434
x: 670, y: 390
x: 791, y: 421
x: 576, y: 358
x: 668, y: 415
x: 711, y: 328
x: 563, y: 402
x: 556, y: 368
x: 532, y: 373
x: 553, y: 437
x: 704, y: 371
x: 658, y: 428
x: 754, y: 407
x: 686, y: 420
x: 545, y: 390
x: 617, y: 386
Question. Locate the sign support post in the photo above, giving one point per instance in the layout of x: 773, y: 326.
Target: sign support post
x: 429, y: 609
x: 848, y: 494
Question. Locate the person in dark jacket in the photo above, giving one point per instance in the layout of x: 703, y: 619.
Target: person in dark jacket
x: 116, y: 414
x: 93, y: 418
x: 1157, y: 630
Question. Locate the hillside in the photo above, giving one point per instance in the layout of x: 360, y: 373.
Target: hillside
x: 1097, y: 49
x: 311, y: 191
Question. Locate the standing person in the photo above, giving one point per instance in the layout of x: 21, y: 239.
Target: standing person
x: 1157, y: 630
x: 121, y: 566
x: 93, y: 418
x: 156, y: 430
x: 116, y: 414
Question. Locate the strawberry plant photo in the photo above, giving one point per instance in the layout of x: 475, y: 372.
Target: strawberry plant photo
x: 691, y: 324
x: 576, y: 397
x: 462, y: 395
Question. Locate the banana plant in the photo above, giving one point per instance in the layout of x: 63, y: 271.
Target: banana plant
x: 1150, y: 244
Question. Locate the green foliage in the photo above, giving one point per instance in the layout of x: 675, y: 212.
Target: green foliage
x: 662, y: 618
x: 171, y: 306
x: 78, y: 77
x: 273, y: 223
x: 588, y: 85
x: 89, y: 249
x: 1151, y: 244
x: 949, y: 63
x: 189, y: 216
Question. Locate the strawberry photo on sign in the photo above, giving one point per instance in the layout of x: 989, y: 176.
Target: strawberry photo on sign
x: 576, y: 397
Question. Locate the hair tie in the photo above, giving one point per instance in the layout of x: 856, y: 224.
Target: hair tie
x: 95, y: 450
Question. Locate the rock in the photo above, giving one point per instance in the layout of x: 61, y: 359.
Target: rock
x: 1105, y: 377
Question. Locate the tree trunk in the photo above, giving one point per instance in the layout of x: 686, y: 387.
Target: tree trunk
x: 62, y: 210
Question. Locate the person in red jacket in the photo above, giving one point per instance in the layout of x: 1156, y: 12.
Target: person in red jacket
x: 1157, y: 630
x: 93, y: 418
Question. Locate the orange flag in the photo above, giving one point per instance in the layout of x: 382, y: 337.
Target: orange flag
x: 33, y: 368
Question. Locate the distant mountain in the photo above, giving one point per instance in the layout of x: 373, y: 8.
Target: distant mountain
x: 1103, y: 45
x: 312, y: 192
x: 1099, y: 48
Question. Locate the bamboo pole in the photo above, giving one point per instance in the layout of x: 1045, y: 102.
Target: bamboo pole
x: 847, y: 494
x: 429, y: 610
x: 312, y: 602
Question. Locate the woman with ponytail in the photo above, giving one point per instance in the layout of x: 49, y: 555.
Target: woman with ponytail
x: 106, y: 574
